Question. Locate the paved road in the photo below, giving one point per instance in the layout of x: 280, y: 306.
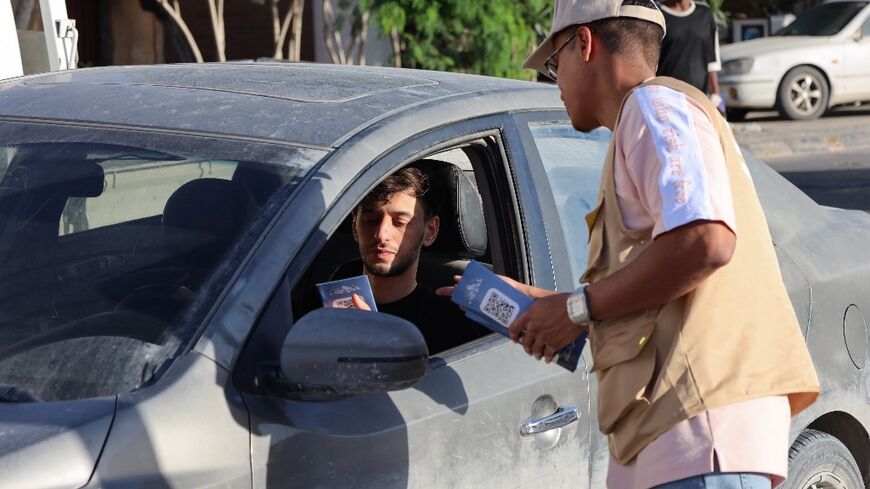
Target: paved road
x: 828, y: 158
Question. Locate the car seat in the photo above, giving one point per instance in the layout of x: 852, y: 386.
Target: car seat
x: 201, y: 220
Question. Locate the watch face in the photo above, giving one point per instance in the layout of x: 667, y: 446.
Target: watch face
x: 577, y: 310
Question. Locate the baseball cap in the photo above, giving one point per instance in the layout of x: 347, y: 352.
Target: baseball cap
x: 574, y: 12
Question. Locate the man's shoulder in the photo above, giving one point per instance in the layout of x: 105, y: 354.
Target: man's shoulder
x: 647, y: 100
x: 657, y: 108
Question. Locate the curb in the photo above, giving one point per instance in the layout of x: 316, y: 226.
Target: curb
x: 768, y: 143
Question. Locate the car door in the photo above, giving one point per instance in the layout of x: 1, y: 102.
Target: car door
x: 857, y: 61
x: 566, y: 168
x: 460, y: 425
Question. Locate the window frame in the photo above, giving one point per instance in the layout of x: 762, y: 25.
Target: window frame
x: 552, y: 223
x: 495, y: 174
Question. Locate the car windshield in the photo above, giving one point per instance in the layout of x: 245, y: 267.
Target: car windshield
x: 114, y: 245
x: 823, y: 20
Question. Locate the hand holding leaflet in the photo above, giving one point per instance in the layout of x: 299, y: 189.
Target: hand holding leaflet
x: 339, y: 293
x: 494, y: 303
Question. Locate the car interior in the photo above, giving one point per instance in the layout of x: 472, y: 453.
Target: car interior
x: 107, y: 276
x: 463, y: 234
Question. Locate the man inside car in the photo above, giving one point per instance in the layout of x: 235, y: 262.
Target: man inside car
x: 391, y: 225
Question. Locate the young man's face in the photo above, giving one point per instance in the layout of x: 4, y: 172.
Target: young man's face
x: 574, y: 80
x: 390, y: 236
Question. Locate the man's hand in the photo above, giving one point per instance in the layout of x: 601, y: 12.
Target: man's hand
x: 360, y: 303
x: 544, y: 328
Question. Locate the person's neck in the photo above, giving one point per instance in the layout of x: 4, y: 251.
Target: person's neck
x: 391, y: 289
x: 624, y: 75
x: 678, y: 5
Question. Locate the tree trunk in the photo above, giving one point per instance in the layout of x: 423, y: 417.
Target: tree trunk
x: 361, y: 39
x: 280, y: 28
x: 174, y: 11
x: 294, y: 51
x: 397, y: 47
x: 331, y: 36
x: 216, y: 12
x: 276, y: 29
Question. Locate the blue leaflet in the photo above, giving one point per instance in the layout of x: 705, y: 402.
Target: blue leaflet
x: 488, y: 299
x: 492, y: 302
x: 339, y: 293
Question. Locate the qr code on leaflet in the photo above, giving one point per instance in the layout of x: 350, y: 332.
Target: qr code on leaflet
x: 500, y: 308
x: 343, y: 303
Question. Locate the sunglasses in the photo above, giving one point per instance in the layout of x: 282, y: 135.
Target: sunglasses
x: 551, y: 66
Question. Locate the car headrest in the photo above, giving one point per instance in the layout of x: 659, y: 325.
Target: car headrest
x: 463, y: 229
x: 217, y: 207
x: 76, y: 178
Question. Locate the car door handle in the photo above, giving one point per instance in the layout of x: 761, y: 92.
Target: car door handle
x: 561, y: 418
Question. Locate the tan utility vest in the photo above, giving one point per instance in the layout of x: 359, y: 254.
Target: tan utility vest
x: 734, y: 338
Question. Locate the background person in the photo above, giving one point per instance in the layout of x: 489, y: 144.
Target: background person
x: 698, y: 353
x: 690, y: 50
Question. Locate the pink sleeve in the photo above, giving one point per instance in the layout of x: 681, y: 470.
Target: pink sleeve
x: 661, y: 125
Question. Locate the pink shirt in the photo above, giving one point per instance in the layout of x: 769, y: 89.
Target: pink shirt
x: 661, y: 125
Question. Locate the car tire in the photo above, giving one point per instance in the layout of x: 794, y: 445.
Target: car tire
x: 736, y: 115
x: 819, y: 460
x: 803, y: 94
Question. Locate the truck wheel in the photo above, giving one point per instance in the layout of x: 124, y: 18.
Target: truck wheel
x: 803, y: 94
x: 818, y: 460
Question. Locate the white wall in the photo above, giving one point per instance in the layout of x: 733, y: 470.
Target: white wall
x: 10, y: 54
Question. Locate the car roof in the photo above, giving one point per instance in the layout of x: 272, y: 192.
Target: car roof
x: 310, y: 104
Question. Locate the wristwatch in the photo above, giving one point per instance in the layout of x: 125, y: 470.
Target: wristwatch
x: 578, y: 307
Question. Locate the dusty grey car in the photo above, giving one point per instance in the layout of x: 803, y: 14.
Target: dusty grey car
x: 162, y: 230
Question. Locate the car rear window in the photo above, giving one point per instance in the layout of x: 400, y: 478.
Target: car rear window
x: 114, y: 244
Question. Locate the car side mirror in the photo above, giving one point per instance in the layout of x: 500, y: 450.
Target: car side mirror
x: 331, y: 354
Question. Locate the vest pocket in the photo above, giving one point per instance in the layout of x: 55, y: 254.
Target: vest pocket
x: 624, y: 359
x: 620, y: 340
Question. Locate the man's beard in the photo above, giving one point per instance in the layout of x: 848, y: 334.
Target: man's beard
x: 401, y: 263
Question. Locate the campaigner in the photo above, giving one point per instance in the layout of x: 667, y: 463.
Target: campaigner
x: 697, y: 349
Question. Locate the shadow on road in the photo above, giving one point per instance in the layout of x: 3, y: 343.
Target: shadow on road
x: 847, y: 189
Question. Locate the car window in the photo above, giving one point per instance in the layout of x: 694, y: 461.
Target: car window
x: 865, y: 30
x: 452, y: 176
x: 114, y: 243
x: 823, y: 20
x: 135, y: 189
x: 573, y: 162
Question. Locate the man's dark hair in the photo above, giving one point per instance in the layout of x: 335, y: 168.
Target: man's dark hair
x: 624, y: 35
x: 410, y: 179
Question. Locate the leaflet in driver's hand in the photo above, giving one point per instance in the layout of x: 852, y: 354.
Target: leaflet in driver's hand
x: 494, y: 303
x: 339, y: 293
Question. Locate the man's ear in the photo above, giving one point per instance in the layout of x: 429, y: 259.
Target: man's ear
x: 430, y: 232
x: 585, y: 43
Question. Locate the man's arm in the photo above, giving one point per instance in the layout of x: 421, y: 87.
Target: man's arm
x: 672, y: 266
x: 714, y: 82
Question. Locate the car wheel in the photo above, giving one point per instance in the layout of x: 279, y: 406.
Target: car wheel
x: 736, y: 115
x: 818, y: 460
x: 803, y: 94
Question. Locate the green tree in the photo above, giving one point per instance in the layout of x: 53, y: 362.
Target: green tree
x: 718, y: 14
x: 490, y: 37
